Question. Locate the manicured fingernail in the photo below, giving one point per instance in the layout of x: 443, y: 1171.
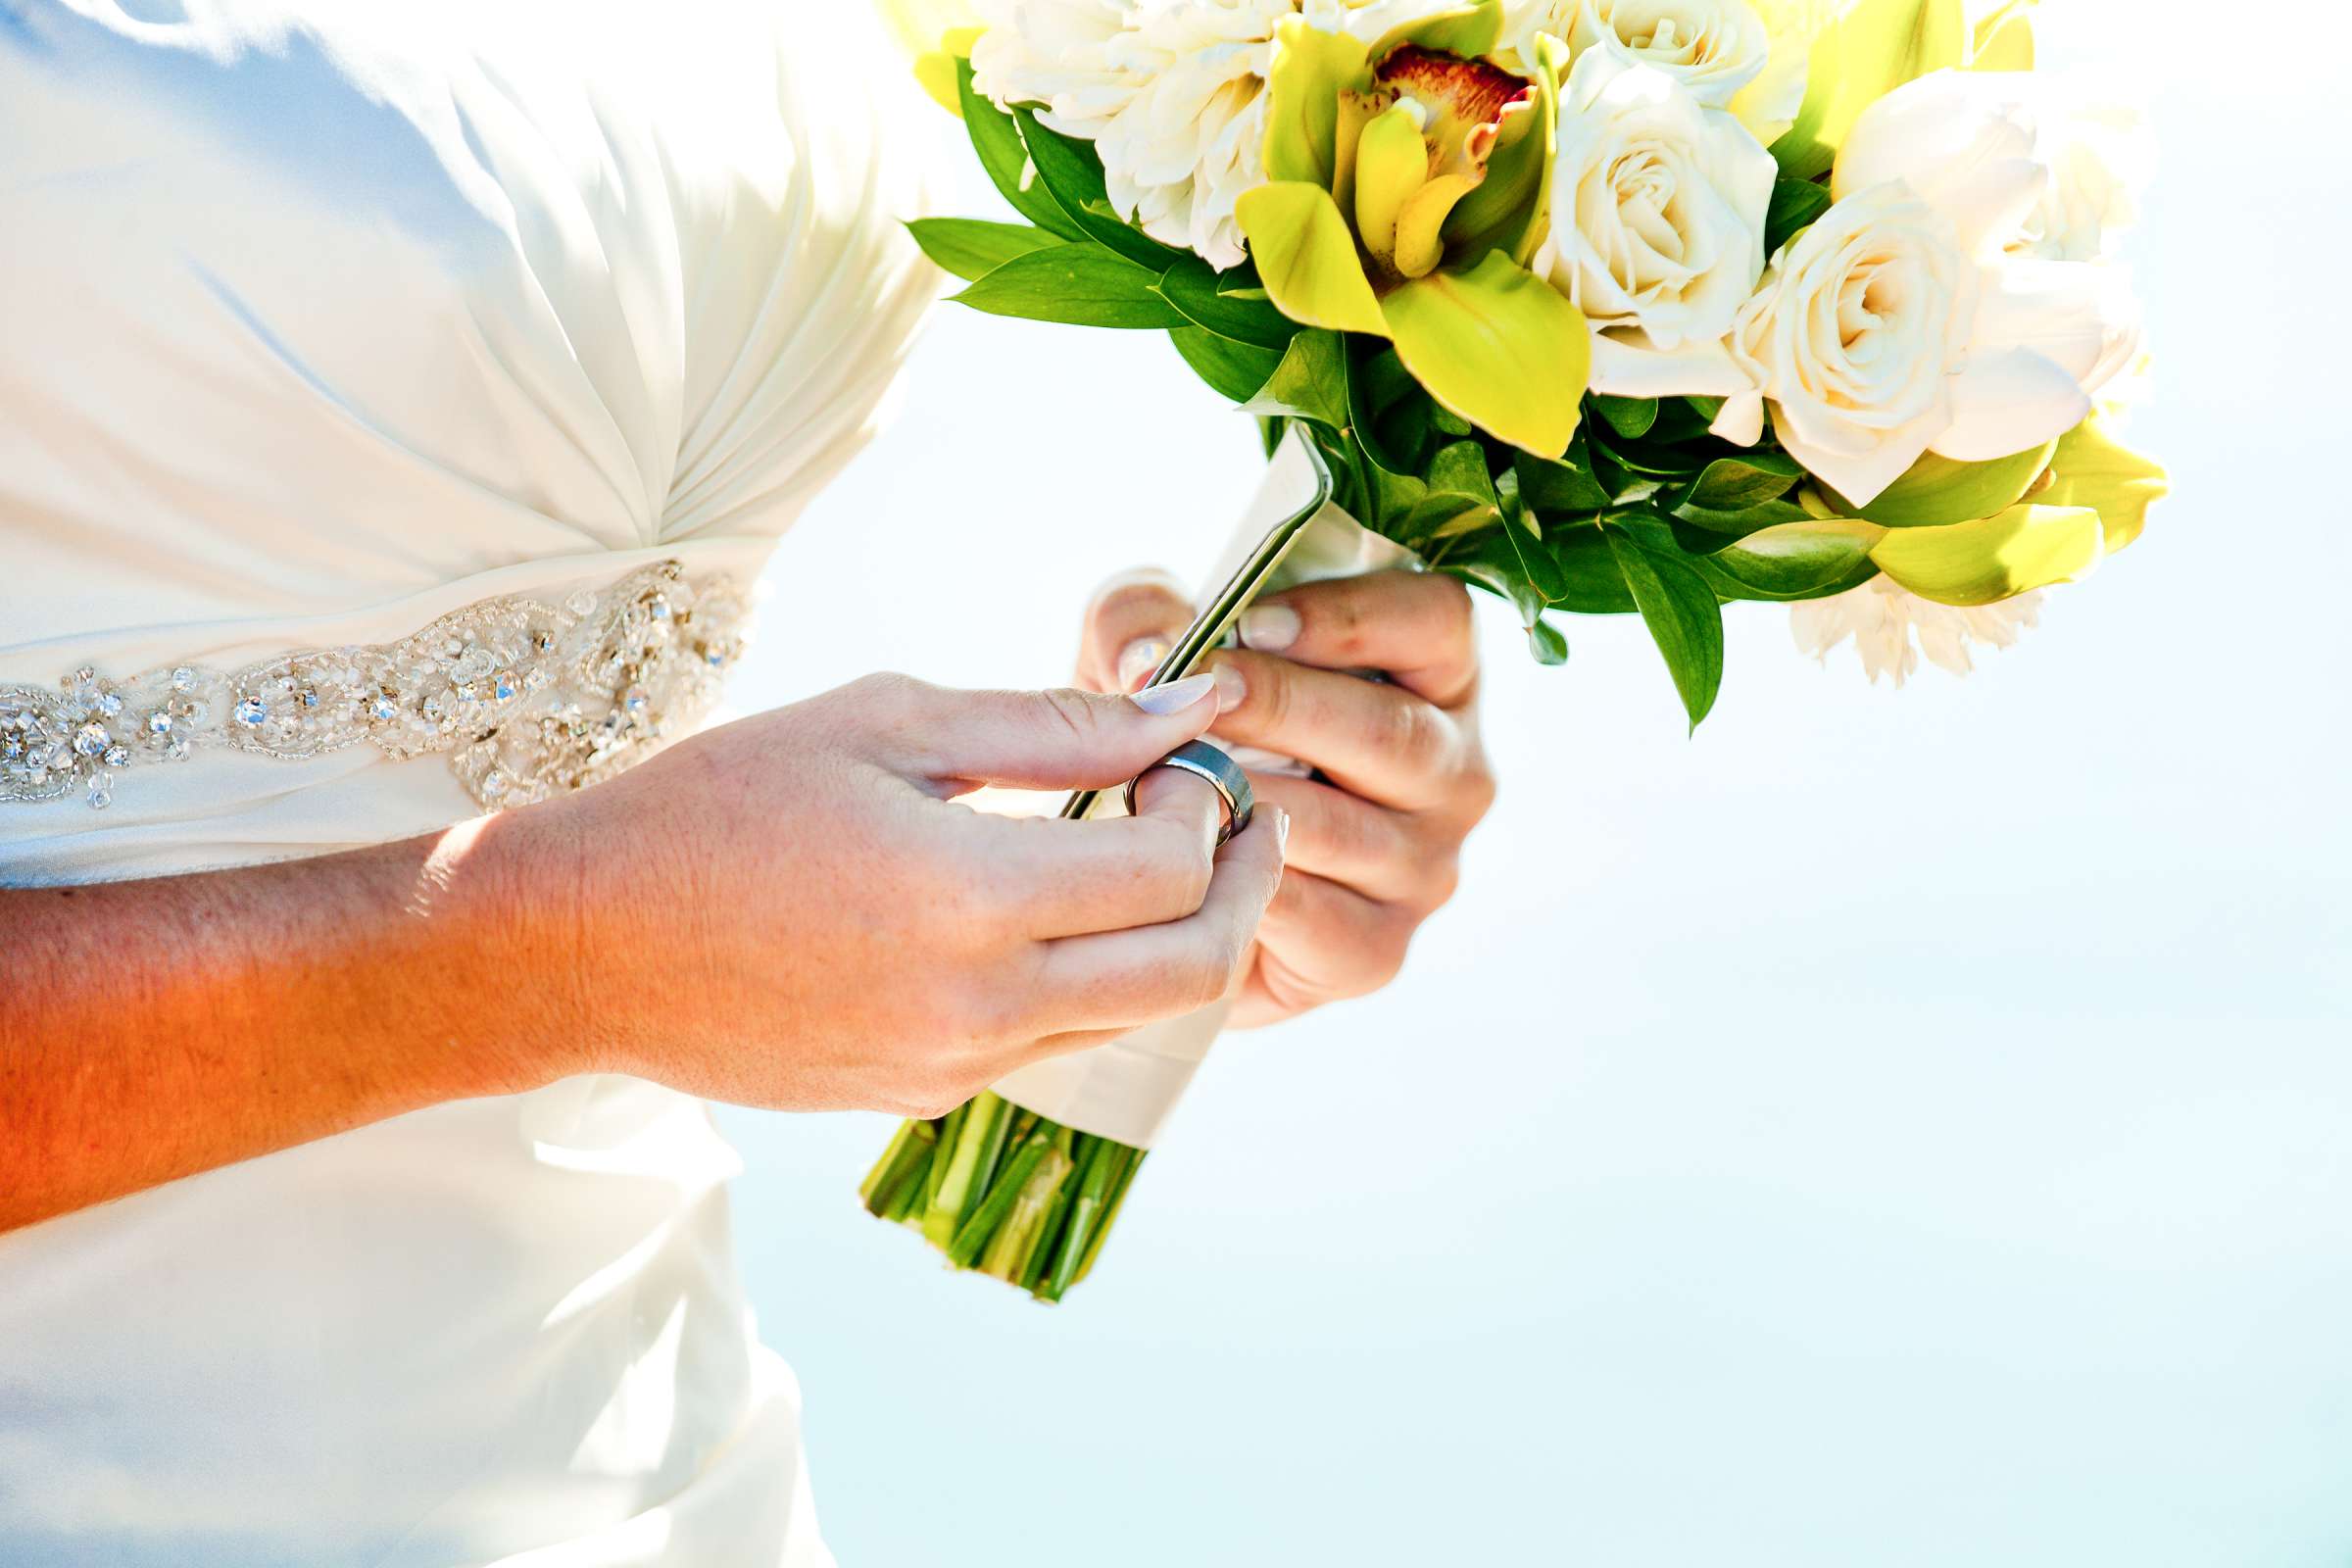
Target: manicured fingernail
x: 1282, y: 831
x: 1176, y: 696
x: 1140, y: 659
x: 1269, y: 628
x: 1141, y: 577
x: 1230, y: 687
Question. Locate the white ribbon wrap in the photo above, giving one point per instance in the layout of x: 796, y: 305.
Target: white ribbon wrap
x: 1125, y: 1089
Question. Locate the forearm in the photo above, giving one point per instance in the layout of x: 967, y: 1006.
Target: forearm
x: 153, y: 1029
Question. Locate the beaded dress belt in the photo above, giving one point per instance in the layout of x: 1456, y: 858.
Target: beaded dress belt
x: 528, y: 698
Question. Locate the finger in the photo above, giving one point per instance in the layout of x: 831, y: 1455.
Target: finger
x: 1123, y: 979
x: 1413, y: 625
x: 1321, y: 942
x: 1346, y: 839
x: 1057, y: 877
x: 955, y: 741
x: 1131, y: 623
x: 1372, y: 739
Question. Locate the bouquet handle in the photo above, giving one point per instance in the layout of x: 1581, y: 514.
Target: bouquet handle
x: 1024, y: 1181
x: 1291, y: 533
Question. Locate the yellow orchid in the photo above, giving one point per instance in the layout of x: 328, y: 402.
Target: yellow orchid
x: 1405, y: 194
x: 2086, y: 497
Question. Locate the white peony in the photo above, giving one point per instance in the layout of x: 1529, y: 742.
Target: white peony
x: 1908, y: 319
x: 1883, y: 618
x: 1171, y: 93
x: 1728, y: 54
x: 1657, y: 213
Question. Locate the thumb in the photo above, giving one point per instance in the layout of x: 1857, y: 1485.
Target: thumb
x: 1061, y: 739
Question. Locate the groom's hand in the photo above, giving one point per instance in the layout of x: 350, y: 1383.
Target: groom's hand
x: 1401, y: 776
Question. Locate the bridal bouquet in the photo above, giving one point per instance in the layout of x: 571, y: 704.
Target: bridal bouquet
x: 1606, y: 305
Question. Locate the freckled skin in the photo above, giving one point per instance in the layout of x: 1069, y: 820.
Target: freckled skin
x: 789, y: 912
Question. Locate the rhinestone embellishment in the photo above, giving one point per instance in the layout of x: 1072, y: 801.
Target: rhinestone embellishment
x: 527, y: 699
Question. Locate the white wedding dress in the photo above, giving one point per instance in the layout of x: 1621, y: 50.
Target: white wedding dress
x: 396, y: 402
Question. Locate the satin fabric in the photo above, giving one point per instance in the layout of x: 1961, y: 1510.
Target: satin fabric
x: 316, y: 321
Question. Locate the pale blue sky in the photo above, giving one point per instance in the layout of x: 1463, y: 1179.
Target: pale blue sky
x: 1891, y: 1128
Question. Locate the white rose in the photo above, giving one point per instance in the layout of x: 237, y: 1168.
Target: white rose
x: 1723, y: 52
x: 2030, y: 164
x: 2098, y: 159
x: 1902, y: 322
x: 1854, y: 337
x: 2092, y: 155
x: 1171, y: 93
x: 1658, y: 214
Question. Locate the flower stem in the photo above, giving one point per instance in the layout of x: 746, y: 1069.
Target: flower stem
x: 1128, y: 1161
x: 977, y: 1232
x: 1038, y: 1266
x: 985, y: 1120
x: 948, y: 1127
x: 900, y: 1174
x: 1004, y: 1190
x: 1093, y: 1190
x: 1007, y: 1254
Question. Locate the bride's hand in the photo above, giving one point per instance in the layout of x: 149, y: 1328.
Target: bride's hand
x: 791, y: 910
x: 1403, y: 777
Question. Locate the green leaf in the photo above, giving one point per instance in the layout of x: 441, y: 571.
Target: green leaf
x: 1678, y: 464
x: 1684, y: 617
x: 1740, y: 481
x: 1681, y: 424
x: 1595, y: 584
x: 973, y: 247
x: 1230, y: 304
x: 1392, y: 500
x: 1733, y: 496
x: 1587, y: 571
x: 1076, y: 285
x: 1700, y: 530
x: 1559, y: 486
x: 998, y: 140
x: 1627, y: 416
x: 1377, y: 384
x: 1624, y: 486
x: 1544, y: 642
x: 1796, y: 560
x: 1235, y: 371
x: 1309, y: 382
x: 1495, y: 565
x: 1873, y: 47
x: 1460, y: 466
x: 1072, y: 173
x: 1794, y: 204
x: 1443, y: 517
x: 1543, y: 574
x: 1496, y: 345
x: 1307, y: 257
x: 1993, y: 559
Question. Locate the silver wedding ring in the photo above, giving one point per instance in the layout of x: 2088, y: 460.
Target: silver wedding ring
x: 1224, y: 775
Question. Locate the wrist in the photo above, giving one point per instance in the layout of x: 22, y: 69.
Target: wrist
x: 515, y: 886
